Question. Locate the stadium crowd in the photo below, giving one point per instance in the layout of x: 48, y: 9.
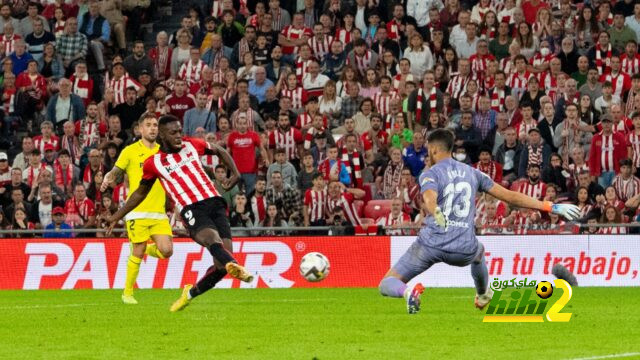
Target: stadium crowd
x: 325, y: 105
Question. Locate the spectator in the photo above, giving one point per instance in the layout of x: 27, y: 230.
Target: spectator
x: 568, y: 133
x: 82, y: 83
x: 492, y: 168
x: 42, y: 209
x: 72, y: 45
x: 243, y: 144
x: 587, y: 182
x: 287, y: 197
x: 38, y: 36
x: 18, y: 201
x: 467, y: 135
x: 220, y: 181
x: 106, y: 209
x: 536, y: 152
x: 65, y: 106
x: 409, y: 192
x: 607, y: 149
x: 625, y: 183
x: 273, y: 218
x: 611, y: 215
x: 58, y: 228
x: 80, y: 210
x: 307, y: 173
x: 15, y: 183
x: 555, y: 173
x: 161, y: 55
x: 284, y: 167
x: 241, y: 215
x: 138, y: 61
x: 396, y: 218
x: 340, y: 201
x: 20, y: 221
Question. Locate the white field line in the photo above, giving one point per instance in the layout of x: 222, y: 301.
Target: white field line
x: 610, y: 356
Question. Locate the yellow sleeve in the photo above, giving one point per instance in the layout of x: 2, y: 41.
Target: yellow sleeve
x: 123, y: 160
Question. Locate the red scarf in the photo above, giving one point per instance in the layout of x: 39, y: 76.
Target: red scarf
x: 356, y: 171
x: 33, y: 173
x: 87, y: 177
x: 604, y: 67
x: 258, y: 205
x: 63, y: 182
x: 433, y: 101
x: 301, y: 69
x: 363, y: 62
x: 497, y: 100
x: 325, y: 168
x: 489, y: 169
x: 308, y: 137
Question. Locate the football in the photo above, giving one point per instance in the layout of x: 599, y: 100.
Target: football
x: 544, y: 289
x: 314, y: 266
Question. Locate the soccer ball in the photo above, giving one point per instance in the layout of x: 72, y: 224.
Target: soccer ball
x: 314, y: 266
x: 544, y: 289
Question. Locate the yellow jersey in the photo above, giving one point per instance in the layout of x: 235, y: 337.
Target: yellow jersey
x: 130, y: 161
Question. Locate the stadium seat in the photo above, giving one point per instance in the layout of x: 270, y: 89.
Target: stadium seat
x: 377, y: 208
x: 367, y: 193
x: 359, y: 205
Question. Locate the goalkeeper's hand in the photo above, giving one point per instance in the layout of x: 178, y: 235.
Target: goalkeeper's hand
x: 568, y: 211
x: 440, y: 218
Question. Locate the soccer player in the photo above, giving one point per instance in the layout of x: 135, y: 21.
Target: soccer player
x: 149, y: 219
x: 449, y: 189
x: 178, y: 167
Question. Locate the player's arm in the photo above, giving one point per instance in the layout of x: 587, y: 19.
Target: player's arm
x: 227, y: 160
x: 134, y: 200
x: 569, y: 211
x: 112, y: 178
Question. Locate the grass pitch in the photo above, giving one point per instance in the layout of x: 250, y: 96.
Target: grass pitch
x: 306, y: 324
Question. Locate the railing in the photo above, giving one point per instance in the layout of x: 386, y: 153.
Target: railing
x: 372, y: 229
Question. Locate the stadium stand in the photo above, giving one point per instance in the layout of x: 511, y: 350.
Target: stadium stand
x: 540, y: 98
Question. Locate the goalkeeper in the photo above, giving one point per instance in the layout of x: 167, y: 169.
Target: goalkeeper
x: 449, y: 191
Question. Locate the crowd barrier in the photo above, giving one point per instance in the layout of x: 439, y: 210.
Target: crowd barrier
x: 361, y: 261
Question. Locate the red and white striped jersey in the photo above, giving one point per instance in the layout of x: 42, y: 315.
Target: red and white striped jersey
x: 620, y: 83
x: 507, y: 66
x: 382, y: 101
x: 320, y: 47
x: 291, y: 33
x: 316, y: 203
x: 519, y: 81
x: 522, y: 129
x: 630, y: 65
x: 537, y: 190
x: 490, y: 226
x: 287, y: 141
x: 457, y: 86
x: 626, y: 189
x: 548, y: 83
x: 584, y: 209
x: 633, y: 140
x: 298, y: 97
x: 397, y: 80
x: 259, y: 207
x: 345, y: 201
x: 344, y: 36
x: 391, y: 220
x: 210, y: 161
x: 607, y: 161
x: 8, y: 43
x: 182, y: 174
x: 120, y: 194
x: 538, y: 59
x: 120, y: 86
x: 39, y: 143
x: 479, y: 63
x: 191, y: 72
x: 613, y: 230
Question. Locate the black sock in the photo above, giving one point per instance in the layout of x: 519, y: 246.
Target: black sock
x: 208, y: 281
x: 221, y: 254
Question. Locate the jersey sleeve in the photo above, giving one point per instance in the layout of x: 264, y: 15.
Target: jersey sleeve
x: 256, y: 139
x: 428, y: 181
x: 484, y: 181
x: 149, y: 171
x: 307, y: 197
x: 123, y: 160
x: 200, y: 145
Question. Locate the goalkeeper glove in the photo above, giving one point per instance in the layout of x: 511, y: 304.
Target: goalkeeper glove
x: 440, y: 218
x: 568, y: 211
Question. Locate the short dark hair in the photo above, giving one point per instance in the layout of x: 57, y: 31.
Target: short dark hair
x: 444, y: 138
x: 166, y: 119
x: 316, y: 175
x: 220, y: 166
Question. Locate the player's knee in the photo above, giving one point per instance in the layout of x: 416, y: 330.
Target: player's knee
x: 479, y: 255
x: 166, y: 251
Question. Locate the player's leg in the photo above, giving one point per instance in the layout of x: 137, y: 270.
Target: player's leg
x: 138, y: 235
x: 162, y: 247
x: 214, y: 274
x: 416, y: 260
x: 480, y: 276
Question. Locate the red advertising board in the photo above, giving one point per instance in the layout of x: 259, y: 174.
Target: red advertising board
x: 101, y: 263
x: 359, y: 261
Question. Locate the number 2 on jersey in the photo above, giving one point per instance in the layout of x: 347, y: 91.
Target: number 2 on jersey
x: 461, y: 209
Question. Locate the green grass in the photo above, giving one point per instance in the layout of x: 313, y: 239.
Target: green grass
x: 305, y: 324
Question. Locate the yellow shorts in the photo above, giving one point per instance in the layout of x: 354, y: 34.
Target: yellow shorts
x: 140, y: 230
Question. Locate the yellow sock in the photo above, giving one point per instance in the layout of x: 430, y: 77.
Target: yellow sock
x: 133, y: 267
x: 152, y: 250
